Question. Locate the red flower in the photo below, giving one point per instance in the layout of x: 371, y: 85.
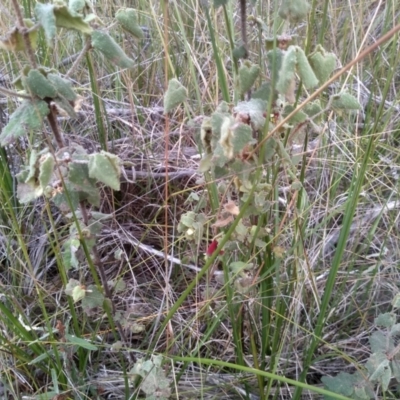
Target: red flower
x: 212, y: 247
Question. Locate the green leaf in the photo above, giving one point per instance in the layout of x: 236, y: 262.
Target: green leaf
x: 304, y: 69
x: 106, y: 168
x: 380, y: 343
x: 76, y: 7
x: 47, y: 19
x: 343, y: 383
x: 188, y: 219
x: 263, y: 92
x: 323, y: 63
x: 28, y: 116
x: 378, y: 367
x: 128, y: 19
x: 66, y: 19
x: 386, y: 320
x: 78, y: 293
x: 46, y: 169
x: 154, y: 384
x: 63, y: 86
x: 93, y: 299
x: 255, y: 109
x: 294, y: 10
x: 71, y: 339
x: 14, y: 41
x: 275, y: 59
x: 298, y: 118
x: 205, y: 163
x: 285, y: 84
x: 248, y: 73
x: 239, y: 52
x: 38, y: 85
x: 70, y: 249
x: 396, y: 301
x: 103, y: 42
x: 176, y: 94
x: 345, y: 101
x: 242, y: 136
x: 62, y: 201
x: 80, y: 182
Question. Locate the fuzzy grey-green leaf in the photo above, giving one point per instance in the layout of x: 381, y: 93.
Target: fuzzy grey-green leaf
x: 46, y: 169
x: 103, y: 42
x: 323, y: 63
x: 304, y: 69
x: 128, y: 19
x: 248, y: 73
x: 47, y: 19
x: 63, y: 86
x: 345, y: 101
x: 176, y: 94
x: 66, y: 19
x: 76, y: 7
x: 38, y: 85
x: 28, y: 116
x: 105, y: 167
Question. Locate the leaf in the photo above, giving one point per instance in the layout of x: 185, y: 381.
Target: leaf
x: 287, y: 73
x: 175, y: 94
x: 63, y: 201
x: 128, y: 19
x: 343, y: 383
x: 188, y: 219
x: 76, y: 7
x: 386, y: 320
x: 255, y: 108
x: 304, y: 69
x: 154, y: 384
x: 205, y: 163
x: 238, y: 266
x: 70, y: 248
x: 380, y: 343
x: 47, y: 19
x: 105, y: 167
x: 78, y: 293
x: 323, y: 63
x: 28, y: 116
x: 263, y: 92
x: 231, y: 208
x: 46, y: 169
x: 76, y: 341
x: 396, y: 301
x: 248, y: 73
x: 14, y: 41
x: 38, y: 85
x: 294, y: 10
x: 80, y: 183
x: 378, y: 367
x: 242, y: 137
x: 63, y: 86
x: 93, y: 299
x: 345, y: 101
x: 103, y: 42
x: 66, y: 19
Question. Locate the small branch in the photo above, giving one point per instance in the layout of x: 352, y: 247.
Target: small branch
x: 25, y: 34
x: 54, y: 127
x: 9, y: 92
x: 82, y: 54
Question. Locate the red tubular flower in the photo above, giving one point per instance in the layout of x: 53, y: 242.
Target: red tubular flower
x: 212, y: 247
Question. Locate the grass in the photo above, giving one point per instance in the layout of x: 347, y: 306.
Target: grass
x: 330, y: 262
